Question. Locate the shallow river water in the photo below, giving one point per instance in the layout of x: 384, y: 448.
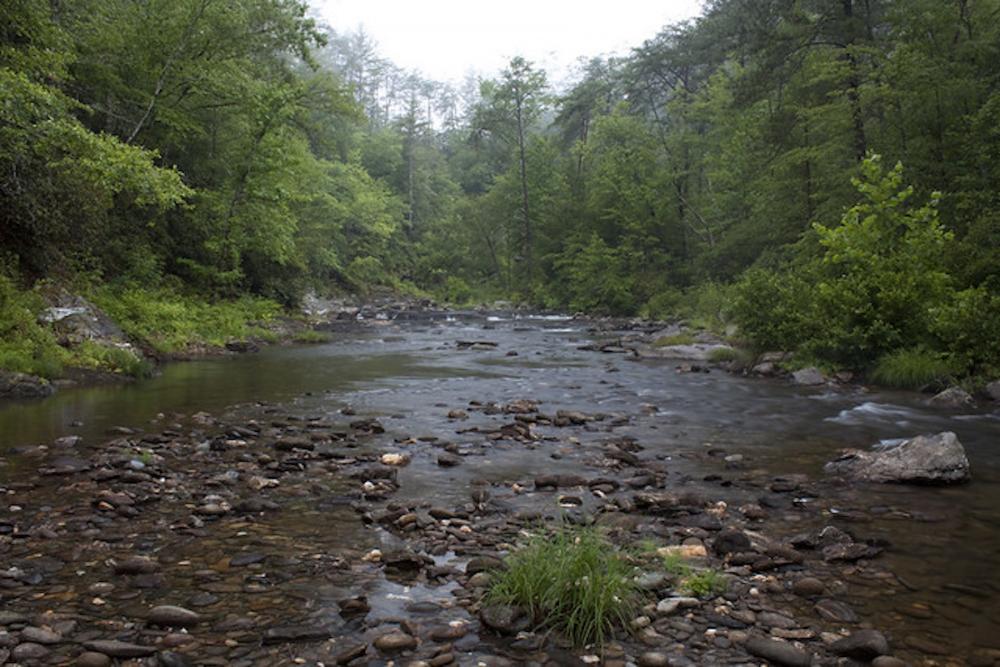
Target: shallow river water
x: 944, y: 543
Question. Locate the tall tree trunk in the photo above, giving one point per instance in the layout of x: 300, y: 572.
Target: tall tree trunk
x: 528, y: 240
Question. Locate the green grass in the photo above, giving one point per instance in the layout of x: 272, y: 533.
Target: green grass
x: 113, y: 359
x: 311, y: 336
x: 911, y: 369
x: 25, y: 345
x: 704, y: 583
x: 676, y: 339
x: 572, y: 581
x: 693, y: 581
x: 170, y: 322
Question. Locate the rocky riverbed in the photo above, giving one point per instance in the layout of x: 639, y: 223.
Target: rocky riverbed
x: 362, y: 525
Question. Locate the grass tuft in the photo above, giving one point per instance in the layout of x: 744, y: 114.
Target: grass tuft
x: 700, y: 583
x: 311, y: 336
x: 573, y: 581
x: 676, y: 339
x: 911, y: 369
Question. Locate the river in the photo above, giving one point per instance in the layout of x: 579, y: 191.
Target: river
x: 944, y: 543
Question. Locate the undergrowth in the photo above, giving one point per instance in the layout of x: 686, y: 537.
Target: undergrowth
x: 572, y: 581
x: 911, y: 369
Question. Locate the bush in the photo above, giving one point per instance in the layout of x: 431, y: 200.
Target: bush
x: 968, y: 328
x: 573, y: 581
x: 872, y: 291
x: 666, y: 304
x: 598, y: 279
x: 911, y: 369
x: 312, y: 337
x: 170, y: 322
x: 25, y: 345
x: 676, y: 339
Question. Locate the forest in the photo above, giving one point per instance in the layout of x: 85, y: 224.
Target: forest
x: 814, y: 176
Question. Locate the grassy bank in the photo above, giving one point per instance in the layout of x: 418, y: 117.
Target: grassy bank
x: 160, y: 322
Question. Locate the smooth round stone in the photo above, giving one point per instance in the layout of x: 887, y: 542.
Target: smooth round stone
x: 653, y: 659
x: 395, y: 641
x: 91, y: 659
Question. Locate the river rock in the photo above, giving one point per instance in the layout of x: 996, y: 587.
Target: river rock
x: 925, y: 459
x: 351, y: 653
x: 29, y: 651
x: 136, y: 565
x: 504, y: 619
x: 862, y: 645
x: 809, y: 377
x: 808, y: 587
x: 119, y: 649
x: 172, y: 616
x: 952, y: 397
x: 395, y: 641
x: 778, y: 652
x: 993, y: 390
x: 92, y: 659
x: 22, y: 385
x: 731, y: 540
x: 654, y: 659
x: 40, y: 635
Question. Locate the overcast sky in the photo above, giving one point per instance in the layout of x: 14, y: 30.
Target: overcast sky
x: 445, y: 39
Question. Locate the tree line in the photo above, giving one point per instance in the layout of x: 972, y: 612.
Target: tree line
x: 243, y: 147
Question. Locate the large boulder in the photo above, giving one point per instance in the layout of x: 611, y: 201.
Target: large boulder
x: 952, y: 397
x: 22, y: 385
x: 993, y: 390
x: 809, y: 377
x: 925, y: 459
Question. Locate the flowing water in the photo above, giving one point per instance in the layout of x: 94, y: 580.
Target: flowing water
x: 943, y: 542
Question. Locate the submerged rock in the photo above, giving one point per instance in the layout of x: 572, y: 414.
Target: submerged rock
x: 925, y: 459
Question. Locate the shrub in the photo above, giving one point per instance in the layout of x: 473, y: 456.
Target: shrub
x: 911, y: 369
x: 573, y: 581
x: 968, y: 328
x: 25, y: 345
x: 598, y: 278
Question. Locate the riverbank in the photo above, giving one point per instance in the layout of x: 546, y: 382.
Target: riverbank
x: 264, y: 520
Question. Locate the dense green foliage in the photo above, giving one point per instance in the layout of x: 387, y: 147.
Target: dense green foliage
x: 573, y: 581
x: 219, y: 150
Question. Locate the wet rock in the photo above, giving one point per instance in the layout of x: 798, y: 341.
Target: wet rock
x: 653, y: 659
x: 354, y: 606
x: 172, y: 616
x: 29, y: 651
x: 862, y: 645
x: 91, y: 659
x: 993, y: 390
x: 668, y: 606
x: 849, y: 553
x: 12, y: 617
x: 173, y: 659
x: 809, y: 377
x: 448, y: 460
x: 351, y: 653
x: 247, y: 558
x: 295, y: 633
x: 731, y: 540
x: 119, y: 649
x: 22, y: 385
x: 778, y: 652
x: 836, y: 611
x: 808, y: 587
x: 651, y: 581
x: 136, y: 565
x: 504, y: 619
x: 40, y: 635
x: 395, y: 641
x: 484, y: 564
x: 449, y: 633
x: 936, y: 459
x: 558, y: 481
x: 889, y: 661
x: 952, y: 397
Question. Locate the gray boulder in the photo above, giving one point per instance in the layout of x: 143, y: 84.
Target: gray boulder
x: 22, y: 385
x: 925, y: 459
x: 952, y: 397
x: 993, y: 390
x: 809, y: 377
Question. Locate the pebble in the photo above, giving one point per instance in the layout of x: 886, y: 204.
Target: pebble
x: 29, y: 651
x: 653, y: 659
x: 777, y: 651
x: 91, y: 659
x: 808, y: 587
x: 862, y: 645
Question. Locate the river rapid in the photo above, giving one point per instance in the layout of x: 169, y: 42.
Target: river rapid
x: 735, y: 439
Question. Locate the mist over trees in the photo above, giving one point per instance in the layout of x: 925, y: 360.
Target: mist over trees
x: 226, y: 148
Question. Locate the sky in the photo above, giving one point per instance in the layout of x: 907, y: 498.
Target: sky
x: 446, y: 39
